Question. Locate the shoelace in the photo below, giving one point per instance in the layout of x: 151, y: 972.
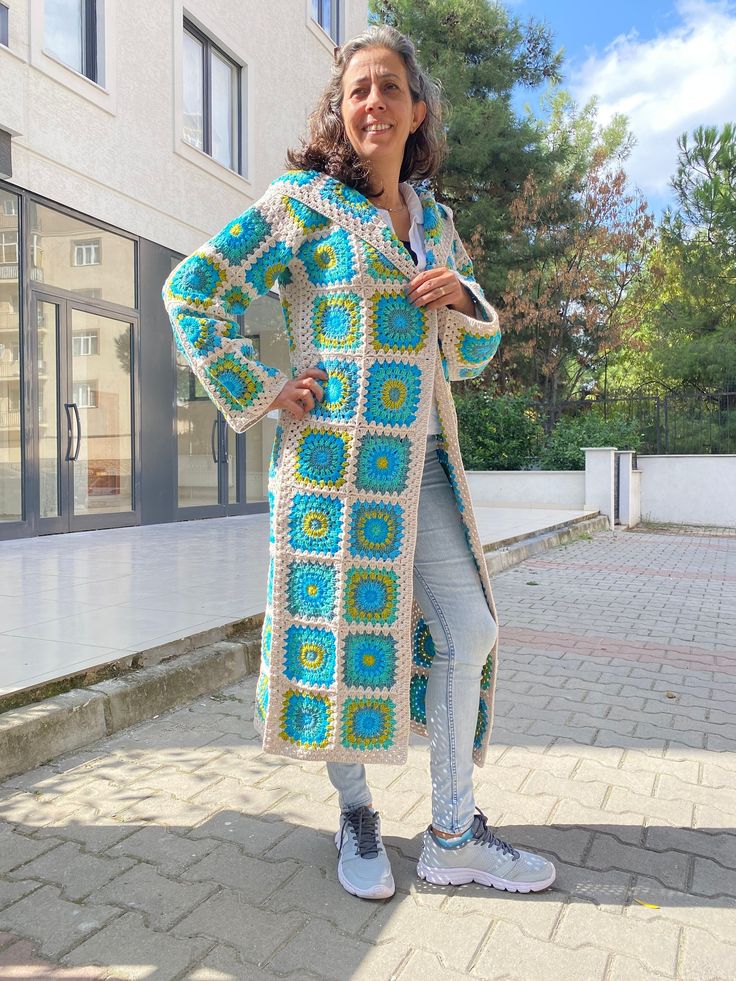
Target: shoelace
x: 364, y: 824
x: 485, y: 836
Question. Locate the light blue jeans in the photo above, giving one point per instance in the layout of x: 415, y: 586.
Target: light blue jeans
x: 449, y: 591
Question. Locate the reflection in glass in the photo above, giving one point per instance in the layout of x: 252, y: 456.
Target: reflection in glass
x: 264, y: 325
x: 11, y: 459
x: 196, y: 438
x: 47, y: 320
x: 101, y: 387
x: 224, y: 106
x: 193, y: 92
x: 75, y: 256
x: 64, y: 31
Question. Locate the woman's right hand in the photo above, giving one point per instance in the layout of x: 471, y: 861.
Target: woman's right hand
x: 298, y: 395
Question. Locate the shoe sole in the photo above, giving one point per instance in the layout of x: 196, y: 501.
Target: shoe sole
x: 381, y: 891
x: 460, y: 877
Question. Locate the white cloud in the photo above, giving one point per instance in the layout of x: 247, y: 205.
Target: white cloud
x: 667, y: 85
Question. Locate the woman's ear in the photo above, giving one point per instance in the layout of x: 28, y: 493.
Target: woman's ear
x: 419, y: 114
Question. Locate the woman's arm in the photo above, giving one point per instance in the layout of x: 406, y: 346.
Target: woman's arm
x: 468, y: 341
x: 210, y: 288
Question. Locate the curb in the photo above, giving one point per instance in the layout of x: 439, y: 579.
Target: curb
x: 37, y: 733
x: 500, y: 558
x: 34, y: 734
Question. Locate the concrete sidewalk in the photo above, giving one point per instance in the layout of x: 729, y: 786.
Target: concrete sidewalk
x: 72, y: 603
x: 177, y: 850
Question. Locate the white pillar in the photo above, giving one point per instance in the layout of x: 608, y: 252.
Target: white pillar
x: 629, y: 508
x: 599, y: 478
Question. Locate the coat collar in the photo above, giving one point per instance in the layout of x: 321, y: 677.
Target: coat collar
x: 338, y: 201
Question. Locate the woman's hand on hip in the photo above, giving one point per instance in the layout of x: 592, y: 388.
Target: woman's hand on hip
x: 440, y: 287
x: 298, y: 396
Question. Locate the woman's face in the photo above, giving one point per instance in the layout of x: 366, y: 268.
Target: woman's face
x: 377, y: 107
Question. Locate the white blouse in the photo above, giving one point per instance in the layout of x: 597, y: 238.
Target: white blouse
x: 416, y: 241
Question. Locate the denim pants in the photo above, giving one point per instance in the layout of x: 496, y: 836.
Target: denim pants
x: 449, y: 591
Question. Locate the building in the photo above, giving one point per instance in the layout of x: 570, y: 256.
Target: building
x: 129, y: 133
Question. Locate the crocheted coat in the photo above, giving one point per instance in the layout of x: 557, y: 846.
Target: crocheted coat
x: 345, y: 650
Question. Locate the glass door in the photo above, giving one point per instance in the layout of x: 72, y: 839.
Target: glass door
x: 210, y: 455
x: 84, y: 363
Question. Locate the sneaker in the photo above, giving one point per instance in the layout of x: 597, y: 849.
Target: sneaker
x: 363, y: 867
x: 483, y: 858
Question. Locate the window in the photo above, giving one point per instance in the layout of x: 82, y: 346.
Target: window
x: 87, y: 253
x: 71, y: 34
x: 85, y: 395
x: 3, y: 24
x: 212, y: 100
x: 9, y: 247
x: 10, y: 205
x: 83, y: 345
x: 327, y: 15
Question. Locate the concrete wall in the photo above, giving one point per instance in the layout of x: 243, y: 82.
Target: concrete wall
x: 115, y: 151
x: 692, y: 489
x: 528, y: 488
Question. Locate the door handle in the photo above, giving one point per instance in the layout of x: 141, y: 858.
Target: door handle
x: 225, y: 440
x: 212, y: 441
x: 79, y: 432
x: 69, y: 431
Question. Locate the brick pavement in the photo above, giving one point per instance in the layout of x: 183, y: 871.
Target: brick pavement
x: 177, y: 850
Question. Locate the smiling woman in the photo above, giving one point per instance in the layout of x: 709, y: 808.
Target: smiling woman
x: 379, y: 610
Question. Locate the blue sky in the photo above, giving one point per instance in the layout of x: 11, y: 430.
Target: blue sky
x: 669, y: 65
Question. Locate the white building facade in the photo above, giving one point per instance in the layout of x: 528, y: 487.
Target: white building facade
x: 129, y: 134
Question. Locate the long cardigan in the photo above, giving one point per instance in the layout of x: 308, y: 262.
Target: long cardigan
x: 345, y: 653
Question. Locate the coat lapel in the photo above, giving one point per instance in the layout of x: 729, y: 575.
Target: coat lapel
x: 344, y: 204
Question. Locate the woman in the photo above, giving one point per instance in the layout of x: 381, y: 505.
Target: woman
x: 379, y: 615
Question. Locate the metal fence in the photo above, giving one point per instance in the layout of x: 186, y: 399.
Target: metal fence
x: 672, y: 423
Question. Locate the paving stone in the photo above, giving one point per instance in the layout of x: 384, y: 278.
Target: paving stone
x: 254, y: 835
x: 19, y: 961
x: 87, y: 828
x: 511, y: 953
x: 254, y: 878
x: 175, y: 781
x: 169, y: 852
x: 70, y: 868
x: 313, y: 892
x: 628, y: 827
x: 589, y: 793
x: 719, y: 847
x: 314, y: 949
x: 564, y: 844
x: 624, y: 968
x: 606, y: 889
x: 670, y: 788
x: 23, y: 811
x: 55, y: 924
x: 11, y: 892
x: 162, y: 900
x: 436, y: 930
x: 670, y: 868
x: 623, y: 801
x: 637, y: 760
x: 425, y: 966
x: 527, y: 759
x: 536, y: 918
x: 307, y: 847
x: 654, y: 944
x: 16, y: 849
x: 224, y: 963
x: 716, y: 916
x: 711, y: 879
x: 132, y: 951
x: 704, y: 958
x: 167, y: 811
x: 638, y: 781
x: 228, y: 917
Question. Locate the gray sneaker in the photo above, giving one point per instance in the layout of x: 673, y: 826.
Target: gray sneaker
x: 486, y: 859
x: 363, y: 867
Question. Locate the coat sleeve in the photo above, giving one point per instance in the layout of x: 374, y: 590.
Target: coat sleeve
x: 467, y: 343
x: 210, y: 288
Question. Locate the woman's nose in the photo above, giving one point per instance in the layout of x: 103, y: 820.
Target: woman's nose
x: 375, y: 98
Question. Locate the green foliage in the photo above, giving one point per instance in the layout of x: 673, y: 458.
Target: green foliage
x: 563, y: 448
x: 498, y: 432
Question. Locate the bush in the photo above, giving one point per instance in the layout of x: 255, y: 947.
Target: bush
x: 498, y: 432
x: 562, y: 450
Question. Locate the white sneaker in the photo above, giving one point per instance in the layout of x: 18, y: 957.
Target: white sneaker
x: 483, y: 858
x: 363, y: 867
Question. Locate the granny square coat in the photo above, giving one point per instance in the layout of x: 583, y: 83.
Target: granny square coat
x: 345, y: 652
